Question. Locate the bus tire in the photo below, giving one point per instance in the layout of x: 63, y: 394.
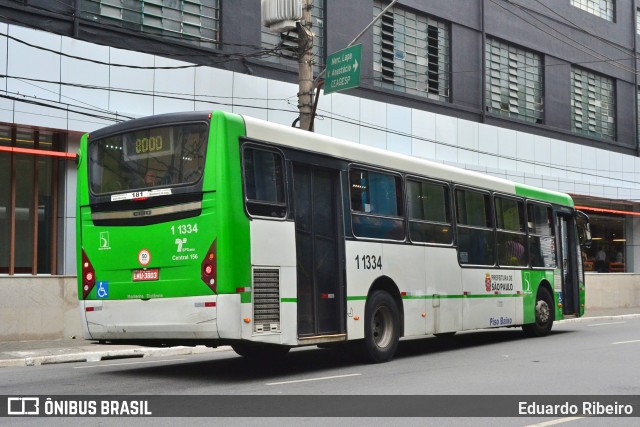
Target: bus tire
x: 545, y: 315
x: 382, y: 327
x: 259, y: 351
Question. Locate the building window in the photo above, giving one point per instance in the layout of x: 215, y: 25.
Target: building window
x: 287, y: 43
x: 28, y: 200
x: 602, y: 8
x: 411, y: 53
x: 592, y: 104
x: 638, y: 21
x: 514, y: 82
x: 195, y: 21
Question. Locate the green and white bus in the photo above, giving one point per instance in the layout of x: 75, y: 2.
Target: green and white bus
x: 214, y: 228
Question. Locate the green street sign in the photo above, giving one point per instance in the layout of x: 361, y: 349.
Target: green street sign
x: 343, y: 69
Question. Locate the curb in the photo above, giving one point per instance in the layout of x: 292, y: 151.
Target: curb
x: 96, y: 356
x: 600, y: 318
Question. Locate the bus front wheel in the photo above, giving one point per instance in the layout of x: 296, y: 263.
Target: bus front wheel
x: 545, y: 315
x: 382, y: 327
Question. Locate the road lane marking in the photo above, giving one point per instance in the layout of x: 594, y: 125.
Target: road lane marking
x: 554, y: 422
x: 604, y: 324
x: 127, y: 363
x: 314, y: 379
x: 625, y: 342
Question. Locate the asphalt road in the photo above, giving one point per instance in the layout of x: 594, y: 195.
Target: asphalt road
x: 581, y: 358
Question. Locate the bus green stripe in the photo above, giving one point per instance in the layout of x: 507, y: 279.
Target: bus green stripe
x: 544, y: 195
x: 410, y: 297
x: 461, y: 296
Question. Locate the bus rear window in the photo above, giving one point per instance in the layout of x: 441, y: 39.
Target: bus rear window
x: 164, y: 156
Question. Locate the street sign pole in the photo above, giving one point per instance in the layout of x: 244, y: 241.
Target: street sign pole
x: 317, y: 81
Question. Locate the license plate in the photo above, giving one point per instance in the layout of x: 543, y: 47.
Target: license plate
x: 146, y: 275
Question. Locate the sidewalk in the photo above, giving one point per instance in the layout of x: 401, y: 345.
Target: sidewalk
x: 44, y: 352
x: 32, y: 353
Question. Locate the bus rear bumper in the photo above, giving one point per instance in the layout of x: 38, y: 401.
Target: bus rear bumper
x: 185, y: 318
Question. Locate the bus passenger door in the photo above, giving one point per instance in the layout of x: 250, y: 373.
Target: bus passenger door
x: 319, y: 251
x: 570, y: 264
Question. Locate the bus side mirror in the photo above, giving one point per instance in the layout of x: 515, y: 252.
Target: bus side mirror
x: 584, y: 229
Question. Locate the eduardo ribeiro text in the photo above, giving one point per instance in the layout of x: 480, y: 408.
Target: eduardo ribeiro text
x: 566, y: 408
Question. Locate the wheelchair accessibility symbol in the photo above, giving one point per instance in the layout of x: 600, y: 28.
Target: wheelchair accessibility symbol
x: 103, y: 290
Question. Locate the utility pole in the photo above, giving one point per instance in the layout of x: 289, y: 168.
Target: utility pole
x: 318, y: 82
x: 305, y: 66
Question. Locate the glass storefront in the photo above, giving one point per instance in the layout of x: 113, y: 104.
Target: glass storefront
x: 28, y: 192
x: 5, y: 200
x: 609, y: 221
x: 608, y: 251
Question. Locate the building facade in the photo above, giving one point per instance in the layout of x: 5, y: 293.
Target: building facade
x: 541, y: 92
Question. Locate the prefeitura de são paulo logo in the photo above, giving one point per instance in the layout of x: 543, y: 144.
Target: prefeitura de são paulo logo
x: 487, y: 282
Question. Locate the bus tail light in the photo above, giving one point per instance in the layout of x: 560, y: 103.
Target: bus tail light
x: 88, y: 275
x: 209, y: 267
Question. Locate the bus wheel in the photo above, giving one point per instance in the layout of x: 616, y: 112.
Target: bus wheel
x: 545, y: 315
x: 382, y: 327
x: 259, y: 351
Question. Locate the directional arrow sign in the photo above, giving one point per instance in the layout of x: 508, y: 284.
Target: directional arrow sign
x: 343, y: 69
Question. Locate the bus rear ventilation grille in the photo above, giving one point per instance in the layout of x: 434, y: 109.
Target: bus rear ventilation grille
x: 266, y: 300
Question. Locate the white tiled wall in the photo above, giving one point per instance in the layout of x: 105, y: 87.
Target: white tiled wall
x: 213, y: 89
x: 114, y: 92
x: 250, y: 95
x: 29, y: 64
x: 346, y: 110
x: 86, y: 73
x: 131, y: 91
x: 423, y: 131
x: 282, y: 103
x: 374, y: 115
x: 468, y: 134
x: 173, y: 89
x: 399, y: 124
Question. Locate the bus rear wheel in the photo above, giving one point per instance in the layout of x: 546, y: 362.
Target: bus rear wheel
x: 259, y: 351
x: 382, y: 327
x: 545, y: 315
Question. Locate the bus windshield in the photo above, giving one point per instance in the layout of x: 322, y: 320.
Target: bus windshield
x: 165, y: 156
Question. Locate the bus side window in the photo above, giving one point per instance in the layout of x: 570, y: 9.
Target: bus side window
x: 376, y: 204
x: 264, y: 183
x: 542, y: 241
x: 475, y: 228
x: 511, y: 233
x: 429, y: 212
